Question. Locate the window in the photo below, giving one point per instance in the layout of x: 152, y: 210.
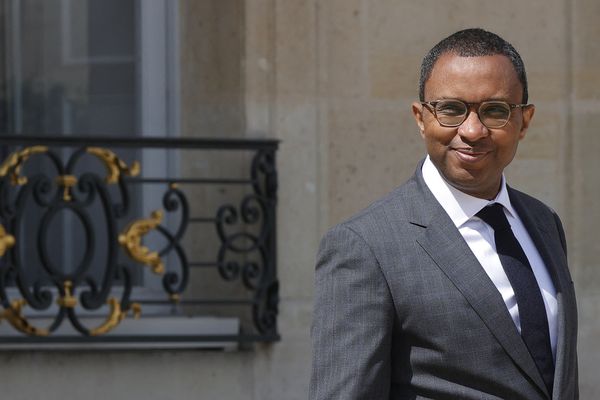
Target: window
x: 73, y: 84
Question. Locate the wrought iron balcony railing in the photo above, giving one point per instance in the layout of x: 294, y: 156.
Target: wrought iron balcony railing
x: 91, y: 238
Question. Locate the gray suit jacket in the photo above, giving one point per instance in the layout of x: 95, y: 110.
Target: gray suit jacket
x: 403, y: 309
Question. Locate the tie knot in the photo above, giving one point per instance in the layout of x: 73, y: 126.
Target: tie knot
x: 494, y: 216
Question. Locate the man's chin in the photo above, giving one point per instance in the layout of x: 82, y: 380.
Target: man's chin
x: 472, y: 183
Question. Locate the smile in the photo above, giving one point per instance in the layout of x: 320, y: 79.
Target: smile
x: 470, y: 156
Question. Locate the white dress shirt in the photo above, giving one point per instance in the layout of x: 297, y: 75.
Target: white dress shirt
x: 479, y: 236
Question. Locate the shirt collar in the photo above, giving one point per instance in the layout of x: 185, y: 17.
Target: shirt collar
x: 458, y: 205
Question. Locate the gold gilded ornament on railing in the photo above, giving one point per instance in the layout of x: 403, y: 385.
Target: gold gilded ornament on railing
x: 131, y: 240
x: 14, y: 162
x: 67, y: 182
x: 6, y: 241
x: 115, y: 316
x: 114, y: 165
x: 68, y: 300
x: 14, y: 316
x: 136, y: 309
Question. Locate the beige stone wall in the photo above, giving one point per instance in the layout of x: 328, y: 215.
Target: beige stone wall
x: 583, y: 185
x: 212, y: 49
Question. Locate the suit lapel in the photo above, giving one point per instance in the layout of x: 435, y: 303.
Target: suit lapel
x: 445, y: 245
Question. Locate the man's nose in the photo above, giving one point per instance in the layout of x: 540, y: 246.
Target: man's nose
x: 472, y: 129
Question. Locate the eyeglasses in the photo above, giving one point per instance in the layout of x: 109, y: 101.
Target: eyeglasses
x: 451, y: 112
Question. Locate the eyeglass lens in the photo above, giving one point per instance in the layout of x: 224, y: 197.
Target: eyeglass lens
x: 493, y: 114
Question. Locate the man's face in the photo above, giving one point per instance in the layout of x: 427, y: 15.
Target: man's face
x: 471, y: 157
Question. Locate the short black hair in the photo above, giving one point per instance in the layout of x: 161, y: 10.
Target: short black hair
x: 473, y: 42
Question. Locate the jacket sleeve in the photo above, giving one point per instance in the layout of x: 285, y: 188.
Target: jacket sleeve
x: 352, y: 321
x: 575, y: 376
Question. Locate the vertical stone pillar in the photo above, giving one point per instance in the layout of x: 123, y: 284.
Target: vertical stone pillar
x: 585, y: 186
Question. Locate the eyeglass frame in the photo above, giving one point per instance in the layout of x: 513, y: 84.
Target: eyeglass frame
x: 430, y: 105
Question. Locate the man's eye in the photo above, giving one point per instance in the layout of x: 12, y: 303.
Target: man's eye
x: 450, y: 109
x: 496, y: 111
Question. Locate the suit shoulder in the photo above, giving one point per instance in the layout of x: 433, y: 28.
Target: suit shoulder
x: 538, y: 214
x: 531, y: 203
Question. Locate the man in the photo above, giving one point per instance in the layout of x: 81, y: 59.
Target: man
x: 454, y: 286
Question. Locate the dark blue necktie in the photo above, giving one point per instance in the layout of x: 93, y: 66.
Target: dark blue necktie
x: 532, y: 313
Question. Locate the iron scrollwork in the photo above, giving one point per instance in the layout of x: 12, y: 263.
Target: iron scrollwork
x: 66, y: 194
x: 245, y: 230
x: 175, y: 283
x: 257, y: 247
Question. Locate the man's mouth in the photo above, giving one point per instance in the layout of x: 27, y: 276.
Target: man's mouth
x: 470, y: 155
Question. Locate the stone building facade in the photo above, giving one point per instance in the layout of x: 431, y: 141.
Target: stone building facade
x: 334, y: 80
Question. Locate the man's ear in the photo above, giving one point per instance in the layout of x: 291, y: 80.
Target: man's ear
x: 417, y: 110
x: 527, y: 117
